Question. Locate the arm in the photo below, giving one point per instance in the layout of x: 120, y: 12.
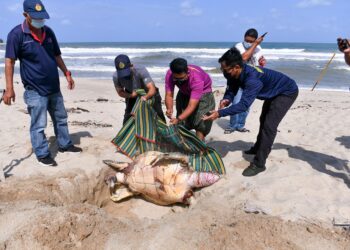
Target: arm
x: 250, y: 92
x: 344, y: 46
x: 229, y: 95
x: 59, y: 60
x: 249, y: 52
x: 62, y: 66
x: 347, y: 56
x: 11, y: 55
x: 122, y: 93
x: 169, y: 94
x: 120, y: 89
x: 147, y: 79
x: 191, y: 107
x: 169, y: 103
x: 196, y: 85
x: 10, y: 93
x: 151, y: 91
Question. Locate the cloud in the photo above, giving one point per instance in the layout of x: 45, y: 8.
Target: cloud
x: 311, y: 3
x: 66, y: 22
x: 14, y: 7
x: 187, y: 9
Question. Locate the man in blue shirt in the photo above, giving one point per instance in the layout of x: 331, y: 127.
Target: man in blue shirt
x: 276, y: 89
x: 36, y: 47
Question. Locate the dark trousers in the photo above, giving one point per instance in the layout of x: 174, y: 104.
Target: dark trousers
x: 157, y: 106
x: 272, y: 113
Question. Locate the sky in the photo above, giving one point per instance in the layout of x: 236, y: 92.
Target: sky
x: 187, y: 20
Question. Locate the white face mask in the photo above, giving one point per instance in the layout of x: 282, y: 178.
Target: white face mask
x: 247, y: 45
x: 38, y: 23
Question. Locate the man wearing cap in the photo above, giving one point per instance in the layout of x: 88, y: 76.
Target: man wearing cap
x: 194, y: 99
x: 128, y: 78
x: 37, y: 49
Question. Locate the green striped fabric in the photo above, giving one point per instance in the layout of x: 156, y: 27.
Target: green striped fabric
x: 145, y: 132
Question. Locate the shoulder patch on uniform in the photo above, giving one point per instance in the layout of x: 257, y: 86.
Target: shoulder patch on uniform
x: 259, y: 70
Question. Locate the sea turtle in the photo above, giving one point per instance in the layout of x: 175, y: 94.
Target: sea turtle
x: 163, y: 178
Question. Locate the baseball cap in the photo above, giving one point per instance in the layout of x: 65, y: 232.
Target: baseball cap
x: 35, y: 9
x: 123, y: 65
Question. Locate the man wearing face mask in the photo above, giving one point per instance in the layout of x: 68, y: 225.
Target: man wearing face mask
x: 252, y: 55
x: 194, y: 99
x: 128, y: 78
x: 276, y: 89
x: 37, y: 49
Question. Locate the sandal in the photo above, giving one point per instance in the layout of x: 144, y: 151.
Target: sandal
x: 243, y: 130
x: 229, y: 131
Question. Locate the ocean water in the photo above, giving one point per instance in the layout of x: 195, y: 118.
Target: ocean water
x: 301, y: 61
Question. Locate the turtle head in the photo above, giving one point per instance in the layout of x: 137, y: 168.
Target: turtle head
x: 202, y: 179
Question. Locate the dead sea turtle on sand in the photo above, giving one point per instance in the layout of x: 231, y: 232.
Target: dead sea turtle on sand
x: 163, y: 178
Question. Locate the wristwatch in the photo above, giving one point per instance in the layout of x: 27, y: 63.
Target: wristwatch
x: 68, y: 73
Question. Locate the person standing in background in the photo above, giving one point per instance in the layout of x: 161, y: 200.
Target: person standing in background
x: 252, y: 55
x: 37, y: 49
x: 344, y: 46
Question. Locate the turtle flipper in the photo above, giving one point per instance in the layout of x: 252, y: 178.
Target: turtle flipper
x: 116, y: 165
x: 121, y: 193
x: 171, y: 156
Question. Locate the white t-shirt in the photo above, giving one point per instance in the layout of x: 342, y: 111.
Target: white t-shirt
x: 254, y: 60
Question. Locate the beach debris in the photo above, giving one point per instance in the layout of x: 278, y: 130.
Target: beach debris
x: 323, y: 72
x: 345, y: 225
x: 77, y: 110
x: 304, y: 106
x: 102, y: 100
x: 162, y: 178
x: 250, y: 208
x: 90, y: 123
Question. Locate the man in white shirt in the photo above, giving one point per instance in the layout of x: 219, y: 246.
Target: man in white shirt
x: 252, y: 55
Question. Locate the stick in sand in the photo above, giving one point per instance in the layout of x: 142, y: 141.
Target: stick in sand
x: 323, y: 72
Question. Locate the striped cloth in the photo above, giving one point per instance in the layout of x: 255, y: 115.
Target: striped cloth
x: 145, y: 132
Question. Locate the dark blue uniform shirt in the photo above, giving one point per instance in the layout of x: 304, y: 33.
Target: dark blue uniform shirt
x: 38, y: 65
x: 256, y: 82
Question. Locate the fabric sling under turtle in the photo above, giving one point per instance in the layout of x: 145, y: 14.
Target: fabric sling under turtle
x: 146, y: 132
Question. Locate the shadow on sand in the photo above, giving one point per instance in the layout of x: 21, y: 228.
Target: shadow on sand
x: 319, y: 161
x: 344, y: 141
x: 76, y: 139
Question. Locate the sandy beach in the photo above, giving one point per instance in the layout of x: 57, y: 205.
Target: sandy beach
x: 292, y: 205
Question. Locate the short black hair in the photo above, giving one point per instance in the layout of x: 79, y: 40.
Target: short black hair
x: 178, y: 66
x: 232, y: 57
x: 251, y: 33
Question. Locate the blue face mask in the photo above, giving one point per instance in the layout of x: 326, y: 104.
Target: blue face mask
x: 38, y: 23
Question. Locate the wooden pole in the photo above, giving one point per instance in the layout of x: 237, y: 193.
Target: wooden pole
x: 323, y: 72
